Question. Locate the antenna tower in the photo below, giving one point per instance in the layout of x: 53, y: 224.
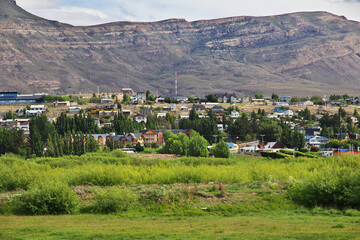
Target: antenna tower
x: 176, y: 84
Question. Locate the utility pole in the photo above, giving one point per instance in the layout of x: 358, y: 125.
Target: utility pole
x: 262, y: 138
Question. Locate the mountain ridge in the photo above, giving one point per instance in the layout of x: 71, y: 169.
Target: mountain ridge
x: 303, y: 53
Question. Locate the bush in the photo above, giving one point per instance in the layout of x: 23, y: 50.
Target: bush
x: 303, y: 150
x: 139, y: 148
x: 221, y: 150
x: 155, y: 145
x: 114, y: 200
x: 274, y: 155
x: 49, y: 198
x: 119, y: 154
x: 147, y: 145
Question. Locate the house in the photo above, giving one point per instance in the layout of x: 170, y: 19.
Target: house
x: 288, y: 113
x: 101, y: 138
x: 281, y: 109
x: 258, y: 101
x: 285, y: 99
x: 38, y: 108
x: 233, y: 148
x: 234, y: 114
x: 226, y: 98
x: 107, y: 101
x: 199, y: 107
x: 220, y: 127
x: 107, y: 113
x: 314, y: 131
x: 132, y: 138
x: 62, y: 104
x: 160, y: 100
x: 157, y: 136
x: 338, y: 104
x: 14, y: 97
x: 306, y: 103
x: 218, y: 110
x: 161, y: 115
x: 140, y: 118
x: 33, y: 113
x: 166, y: 109
x: 141, y: 97
x: 127, y: 91
x: 184, y: 108
x: 74, y: 110
x: 315, y: 141
x: 152, y: 137
x: 173, y: 108
x: 127, y: 112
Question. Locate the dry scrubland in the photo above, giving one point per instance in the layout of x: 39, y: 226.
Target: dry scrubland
x: 110, y: 195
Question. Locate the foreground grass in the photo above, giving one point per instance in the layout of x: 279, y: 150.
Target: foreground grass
x: 273, y: 226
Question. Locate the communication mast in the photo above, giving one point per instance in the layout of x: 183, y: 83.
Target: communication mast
x: 176, y: 84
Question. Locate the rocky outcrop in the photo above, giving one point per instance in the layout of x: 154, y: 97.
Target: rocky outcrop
x: 299, y: 53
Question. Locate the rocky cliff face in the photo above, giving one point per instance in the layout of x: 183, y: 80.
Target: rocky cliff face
x: 300, y: 53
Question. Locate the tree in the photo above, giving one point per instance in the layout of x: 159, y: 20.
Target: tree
x: 211, y: 98
x: 259, y: 96
x: 191, y: 99
x: 271, y: 130
x: 221, y: 150
x: 193, y: 114
x: 295, y: 99
x: 198, y: 145
x: 126, y: 99
x: 274, y: 96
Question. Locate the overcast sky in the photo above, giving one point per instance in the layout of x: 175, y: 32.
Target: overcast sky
x: 91, y: 12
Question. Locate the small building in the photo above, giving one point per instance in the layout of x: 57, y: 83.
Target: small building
x: 107, y: 101
x: 140, y: 118
x: 127, y: 112
x: 62, y: 104
x: 184, y: 108
x: 74, y: 110
x: 218, y: 110
x: 234, y: 114
x: 315, y: 141
x: 199, y: 107
x: 285, y: 99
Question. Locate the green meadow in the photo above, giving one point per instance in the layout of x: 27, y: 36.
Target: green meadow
x: 115, y: 196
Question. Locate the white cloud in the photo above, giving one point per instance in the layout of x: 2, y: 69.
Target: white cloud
x: 75, y: 15
x: 39, y: 4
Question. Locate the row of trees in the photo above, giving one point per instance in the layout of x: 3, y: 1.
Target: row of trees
x: 183, y: 145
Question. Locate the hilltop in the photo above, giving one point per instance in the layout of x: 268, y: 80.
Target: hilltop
x: 304, y: 53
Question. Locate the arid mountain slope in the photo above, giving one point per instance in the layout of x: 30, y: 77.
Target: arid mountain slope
x: 300, y: 53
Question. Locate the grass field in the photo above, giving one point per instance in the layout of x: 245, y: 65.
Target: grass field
x: 276, y: 226
x: 115, y: 196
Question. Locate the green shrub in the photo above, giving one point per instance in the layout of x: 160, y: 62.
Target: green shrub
x: 221, y: 150
x: 114, y: 200
x: 155, y: 145
x: 274, y: 155
x: 139, y: 148
x: 119, y: 154
x: 303, y: 150
x: 288, y: 152
x: 147, y: 145
x: 49, y: 198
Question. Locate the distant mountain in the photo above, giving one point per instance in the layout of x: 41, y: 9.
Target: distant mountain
x: 300, y: 53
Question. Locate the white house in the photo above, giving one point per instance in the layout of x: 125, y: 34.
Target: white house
x: 316, y: 141
x: 140, y: 118
x: 235, y: 114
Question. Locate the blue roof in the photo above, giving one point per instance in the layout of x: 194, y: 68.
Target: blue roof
x: 230, y: 144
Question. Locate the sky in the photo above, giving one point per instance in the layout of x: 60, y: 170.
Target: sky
x: 92, y: 12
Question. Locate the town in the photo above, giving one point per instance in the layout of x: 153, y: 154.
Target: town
x: 132, y: 121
